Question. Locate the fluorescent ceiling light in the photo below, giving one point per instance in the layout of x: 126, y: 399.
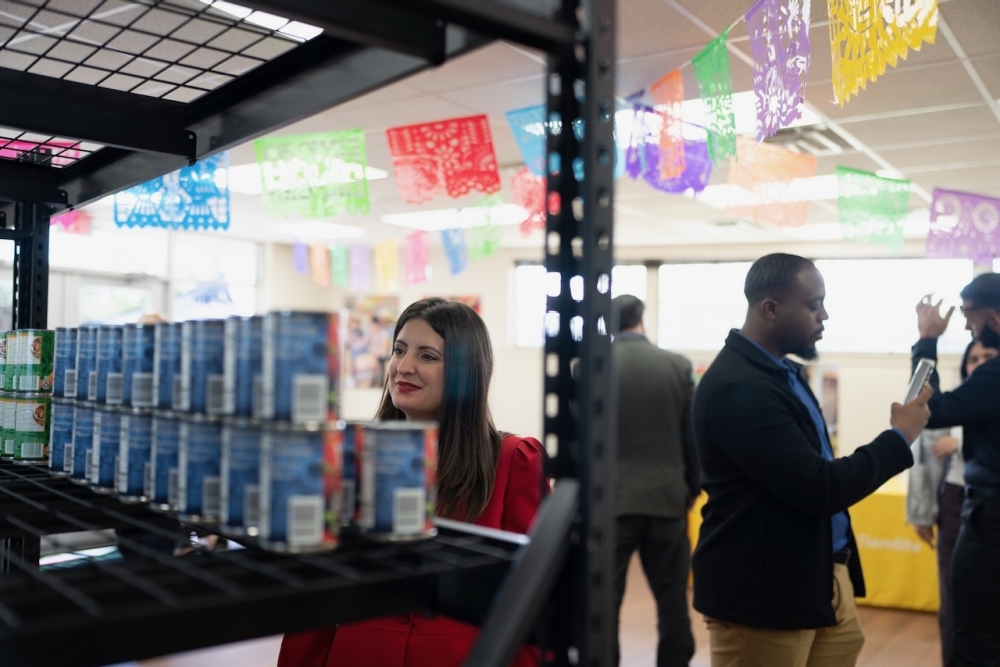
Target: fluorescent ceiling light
x: 450, y: 218
x: 302, y: 32
x: 316, y: 230
x: 245, y: 178
x: 814, y: 188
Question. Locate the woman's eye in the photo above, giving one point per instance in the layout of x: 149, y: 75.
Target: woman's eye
x: 398, y: 351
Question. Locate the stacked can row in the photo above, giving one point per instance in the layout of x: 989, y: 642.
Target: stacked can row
x: 26, y: 378
x: 296, y: 488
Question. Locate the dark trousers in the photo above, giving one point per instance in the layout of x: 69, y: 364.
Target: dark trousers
x: 949, y: 521
x: 975, y: 580
x: 666, y: 559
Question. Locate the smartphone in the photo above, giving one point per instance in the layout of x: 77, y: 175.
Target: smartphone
x: 920, y: 377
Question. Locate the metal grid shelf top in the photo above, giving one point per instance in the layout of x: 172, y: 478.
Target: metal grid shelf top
x: 148, y: 602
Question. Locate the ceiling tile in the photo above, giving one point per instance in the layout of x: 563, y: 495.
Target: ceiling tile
x: 975, y: 24
x: 974, y: 120
x: 651, y: 26
x: 953, y: 153
x: 988, y: 68
x: 503, y: 62
x: 899, y: 89
x: 974, y: 179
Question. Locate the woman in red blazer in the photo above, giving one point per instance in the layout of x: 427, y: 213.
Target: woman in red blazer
x: 440, y: 370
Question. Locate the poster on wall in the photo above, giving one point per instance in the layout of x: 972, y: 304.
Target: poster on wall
x: 370, y: 323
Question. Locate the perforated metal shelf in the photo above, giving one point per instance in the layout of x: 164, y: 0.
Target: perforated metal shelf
x: 148, y: 602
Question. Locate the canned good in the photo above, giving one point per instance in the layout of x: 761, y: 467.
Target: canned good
x: 3, y: 358
x: 349, y: 505
x: 138, y: 341
x: 241, y: 372
x: 61, y: 436
x: 135, y: 444
x: 103, y: 460
x: 300, y: 366
x: 198, y: 462
x: 239, y: 511
x: 397, y: 463
x: 65, y: 362
x: 161, y: 477
x: 31, y: 439
x: 78, y: 453
x: 300, y: 487
x: 38, y: 355
x: 86, y: 365
x: 108, y: 376
x: 13, y: 368
x: 166, y: 364
x: 202, y: 352
x: 9, y: 404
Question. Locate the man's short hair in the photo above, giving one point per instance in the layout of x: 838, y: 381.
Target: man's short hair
x: 983, y: 291
x: 773, y: 276
x: 629, y: 309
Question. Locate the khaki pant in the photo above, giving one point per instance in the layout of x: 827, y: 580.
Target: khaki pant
x: 735, y: 645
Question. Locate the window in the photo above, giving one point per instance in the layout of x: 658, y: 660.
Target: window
x: 700, y: 303
x: 532, y: 285
x: 213, y: 277
x: 872, y: 302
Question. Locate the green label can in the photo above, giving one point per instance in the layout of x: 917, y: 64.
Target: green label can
x: 31, y: 438
x: 8, y: 404
x: 3, y: 357
x: 38, y: 354
x: 13, y: 361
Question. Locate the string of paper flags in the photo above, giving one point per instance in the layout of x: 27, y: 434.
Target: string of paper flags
x: 324, y: 174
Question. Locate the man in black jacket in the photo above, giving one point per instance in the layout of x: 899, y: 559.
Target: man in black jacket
x: 776, y: 568
x: 657, y: 477
x: 975, y: 406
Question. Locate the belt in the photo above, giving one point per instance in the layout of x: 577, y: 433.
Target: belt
x: 843, y: 556
x: 982, y: 492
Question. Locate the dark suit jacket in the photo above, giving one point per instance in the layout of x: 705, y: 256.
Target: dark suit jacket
x: 657, y: 464
x: 764, y: 557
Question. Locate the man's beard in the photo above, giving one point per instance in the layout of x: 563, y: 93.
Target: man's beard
x: 809, y: 353
x: 989, y: 338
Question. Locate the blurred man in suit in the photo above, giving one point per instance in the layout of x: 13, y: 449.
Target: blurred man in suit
x: 657, y: 479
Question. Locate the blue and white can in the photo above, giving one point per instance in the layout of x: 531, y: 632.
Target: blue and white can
x: 198, y: 463
x: 106, y: 381
x: 61, y: 435
x: 138, y: 341
x: 103, y: 462
x: 239, y: 511
x: 78, y: 453
x: 161, y: 480
x: 65, y: 362
x: 135, y: 445
x: 242, y: 365
x: 202, y: 351
x: 300, y: 367
x: 398, y: 462
x: 300, y: 487
x: 166, y: 364
x: 86, y: 365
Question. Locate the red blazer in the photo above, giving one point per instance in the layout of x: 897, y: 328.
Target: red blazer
x: 413, y: 640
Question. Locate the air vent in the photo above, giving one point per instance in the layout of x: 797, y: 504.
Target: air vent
x: 811, y: 139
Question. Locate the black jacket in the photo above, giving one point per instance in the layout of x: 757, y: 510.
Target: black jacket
x: 658, y: 470
x: 764, y: 556
x: 975, y: 406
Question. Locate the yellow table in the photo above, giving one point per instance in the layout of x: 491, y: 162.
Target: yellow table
x: 900, y: 570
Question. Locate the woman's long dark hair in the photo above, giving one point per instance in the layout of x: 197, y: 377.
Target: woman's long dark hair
x: 468, y: 442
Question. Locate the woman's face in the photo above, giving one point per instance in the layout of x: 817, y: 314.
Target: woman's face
x: 978, y: 356
x: 416, y: 371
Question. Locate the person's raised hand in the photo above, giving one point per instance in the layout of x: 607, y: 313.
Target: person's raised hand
x: 912, y: 417
x: 944, y: 446
x: 930, y: 322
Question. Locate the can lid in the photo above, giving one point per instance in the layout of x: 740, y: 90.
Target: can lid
x: 199, y: 418
x: 305, y: 427
x: 241, y: 422
x: 132, y: 410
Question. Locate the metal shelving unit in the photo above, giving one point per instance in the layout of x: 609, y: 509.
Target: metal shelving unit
x: 127, y: 91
